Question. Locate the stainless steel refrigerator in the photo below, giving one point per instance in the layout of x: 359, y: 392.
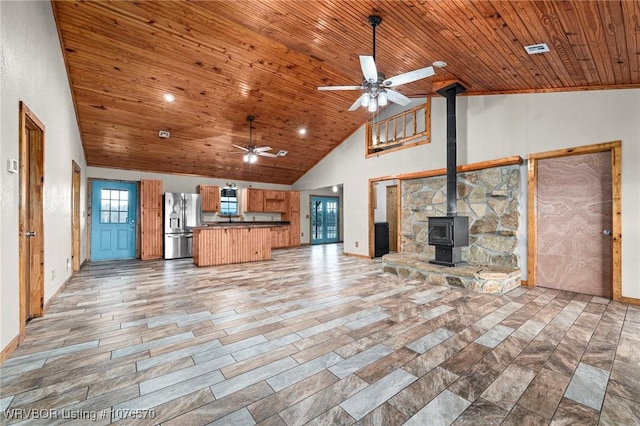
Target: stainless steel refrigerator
x: 182, y: 212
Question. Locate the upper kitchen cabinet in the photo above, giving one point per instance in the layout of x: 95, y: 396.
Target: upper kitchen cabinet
x: 294, y: 201
x: 276, y: 201
x: 150, y: 194
x: 253, y: 200
x: 210, y: 198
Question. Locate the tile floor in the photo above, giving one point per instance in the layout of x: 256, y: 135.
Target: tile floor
x: 315, y: 337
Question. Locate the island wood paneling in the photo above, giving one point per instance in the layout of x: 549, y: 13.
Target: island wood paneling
x: 221, y: 246
x: 225, y: 60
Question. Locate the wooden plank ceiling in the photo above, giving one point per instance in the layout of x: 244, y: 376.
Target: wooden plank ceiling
x: 225, y: 60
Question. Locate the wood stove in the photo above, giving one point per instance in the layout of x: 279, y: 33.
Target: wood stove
x: 450, y: 233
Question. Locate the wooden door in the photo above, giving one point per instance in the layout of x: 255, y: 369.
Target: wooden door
x: 75, y: 217
x: 392, y: 216
x: 151, y: 219
x: 31, y: 224
x: 574, y: 223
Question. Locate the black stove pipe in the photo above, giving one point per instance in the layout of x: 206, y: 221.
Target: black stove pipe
x: 450, y: 93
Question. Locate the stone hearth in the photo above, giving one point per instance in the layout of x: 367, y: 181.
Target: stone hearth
x: 477, y: 278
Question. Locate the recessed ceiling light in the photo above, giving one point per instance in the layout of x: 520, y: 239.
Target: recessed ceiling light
x: 302, y: 131
x: 169, y: 97
x: 439, y: 64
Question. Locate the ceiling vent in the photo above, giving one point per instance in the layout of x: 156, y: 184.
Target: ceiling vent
x: 534, y: 49
x: 282, y: 153
x: 164, y: 134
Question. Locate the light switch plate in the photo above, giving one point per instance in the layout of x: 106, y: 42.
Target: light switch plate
x: 12, y: 165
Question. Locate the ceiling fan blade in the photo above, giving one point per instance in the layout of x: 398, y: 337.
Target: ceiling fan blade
x: 340, y: 88
x: 369, y: 70
x: 408, y: 77
x: 262, y: 149
x: 357, y: 103
x: 397, y: 97
x: 241, y: 147
x: 265, y: 154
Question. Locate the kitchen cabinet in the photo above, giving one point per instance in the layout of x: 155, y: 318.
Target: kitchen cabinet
x: 253, y: 200
x: 292, y: 215
x: 294, y: 201
x: 280, y: 236
x: 294, y: 229
x: 150, y: 219
x: 210, y: 198
x: 275, y: 201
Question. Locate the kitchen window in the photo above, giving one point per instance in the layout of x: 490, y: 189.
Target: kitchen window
x: 228, y: 202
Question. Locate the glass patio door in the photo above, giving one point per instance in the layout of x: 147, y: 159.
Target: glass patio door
x: 324, y: 220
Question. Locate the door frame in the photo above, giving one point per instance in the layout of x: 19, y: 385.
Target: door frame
x: 31, y: 214
x: 372, y: 207
x: 337, y: 198
x: 615, y: 148
x: 75, y: 216
x: 397, y: 199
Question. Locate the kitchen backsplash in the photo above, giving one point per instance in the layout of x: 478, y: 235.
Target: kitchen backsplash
x: 248, y: 217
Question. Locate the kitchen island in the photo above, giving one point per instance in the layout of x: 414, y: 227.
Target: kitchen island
x: 225, y: 243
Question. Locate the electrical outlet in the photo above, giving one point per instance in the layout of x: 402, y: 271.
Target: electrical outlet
x: 53, y: 274
x: 357, y: 244
x: 302, y: 234
x: 271, y: 218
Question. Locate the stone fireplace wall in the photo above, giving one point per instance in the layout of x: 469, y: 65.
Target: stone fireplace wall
x: 490, y: 197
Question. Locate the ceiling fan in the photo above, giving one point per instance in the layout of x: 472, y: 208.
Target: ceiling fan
x: 375, y: 87
x: 251, y: 152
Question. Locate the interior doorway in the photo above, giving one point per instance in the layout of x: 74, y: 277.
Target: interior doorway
x: 574, y: 232
x: 31, y: 211
x: 392, y: 216
x: 324, y: 219
x: 75, y: 216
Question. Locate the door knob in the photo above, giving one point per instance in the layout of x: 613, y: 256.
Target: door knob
x: 606, y: 232
x: 30, y: 234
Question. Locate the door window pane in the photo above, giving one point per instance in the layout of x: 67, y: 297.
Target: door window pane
x: 114, y: 205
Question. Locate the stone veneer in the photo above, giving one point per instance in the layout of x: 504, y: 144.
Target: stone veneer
x: 476, y: 278
x: 489, y: 197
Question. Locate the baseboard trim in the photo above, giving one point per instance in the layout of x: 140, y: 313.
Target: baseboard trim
x: 11, y: 347
x: 56, y: 294
x: 630, y: 300
x: 361, y: 256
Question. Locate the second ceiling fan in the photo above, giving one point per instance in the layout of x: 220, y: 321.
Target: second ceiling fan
x: 376, y: 88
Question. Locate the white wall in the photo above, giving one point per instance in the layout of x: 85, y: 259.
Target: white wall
x: 33, y: 71
x: 184, y: 183
x: 494, y: 127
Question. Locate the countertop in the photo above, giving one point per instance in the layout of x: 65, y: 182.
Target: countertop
x: 209, y: 225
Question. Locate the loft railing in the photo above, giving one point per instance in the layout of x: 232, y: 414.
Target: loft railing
x: 404, y: 130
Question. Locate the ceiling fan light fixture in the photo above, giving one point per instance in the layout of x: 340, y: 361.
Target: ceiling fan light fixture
x: 373, y: 105
x: 253, y: 158
x: 366, y: 100
x: 382, y: 98
x: 245, y: 157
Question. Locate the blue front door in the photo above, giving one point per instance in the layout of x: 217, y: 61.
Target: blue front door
x: 113, y: 220
x: 324, y: 220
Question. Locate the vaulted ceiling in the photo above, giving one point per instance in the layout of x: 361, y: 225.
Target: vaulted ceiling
x: 225, y: 60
